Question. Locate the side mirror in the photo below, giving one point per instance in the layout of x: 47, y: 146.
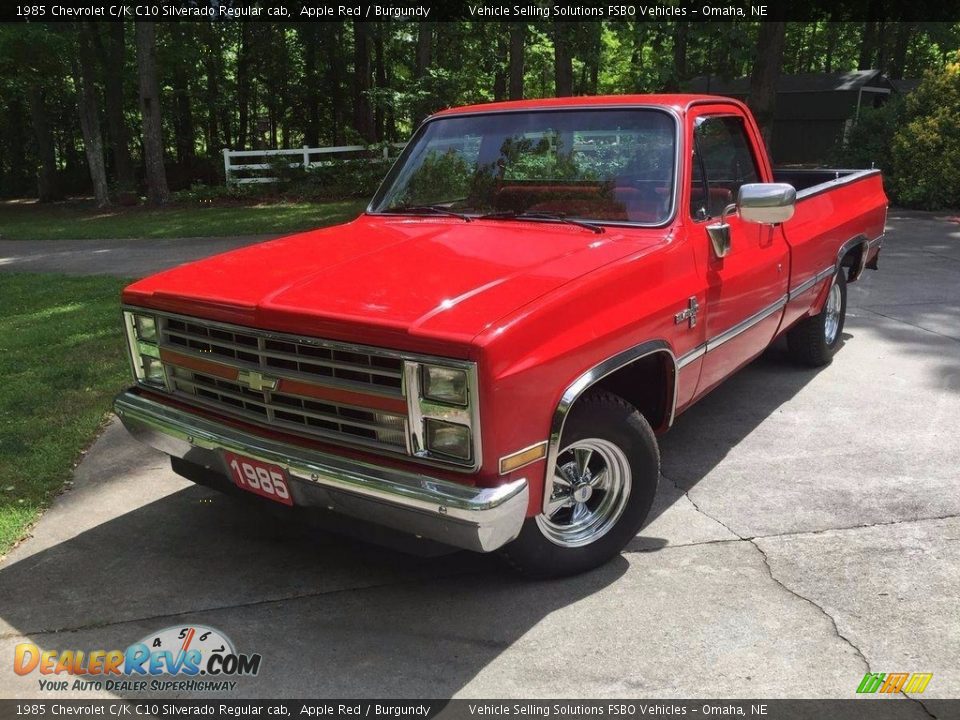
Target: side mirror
x: 766, y: 203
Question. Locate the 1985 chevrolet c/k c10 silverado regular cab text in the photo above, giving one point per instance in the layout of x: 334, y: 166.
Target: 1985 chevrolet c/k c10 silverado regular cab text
x: 484, y: 357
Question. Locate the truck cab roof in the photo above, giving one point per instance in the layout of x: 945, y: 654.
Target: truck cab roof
x: 675, y: 101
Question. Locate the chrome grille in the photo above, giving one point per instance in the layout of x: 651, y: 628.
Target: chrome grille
x: 315, y: 362
x: 306, y: 415
x: 340, y: 365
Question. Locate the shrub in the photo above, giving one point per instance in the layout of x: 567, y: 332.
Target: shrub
x: 341, y: 179
x: 926, y: 148
x: 869, y: 142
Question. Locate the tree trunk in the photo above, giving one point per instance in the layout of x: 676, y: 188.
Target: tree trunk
x: 868, y: 47
x: 500, y: 70
x: 183, y: 117
x: 48, y: 185
x: 88, y: 108
x: 332, y: 43
x: 898, y: 61
x: 831, y: 48
x: 243, y: 85
x: 18, y: 177
x: 362, y: 112
x: 310, y: 38
x: 681, y: 32
x: 157, y: 191
x: 213, y: 68
x: 424, y: 49
x: 883, y: 35
x: 562, y: 61
x: 518, y: 38
x: 380, y: 78
x: 112, y: 60
x: 763, y: 81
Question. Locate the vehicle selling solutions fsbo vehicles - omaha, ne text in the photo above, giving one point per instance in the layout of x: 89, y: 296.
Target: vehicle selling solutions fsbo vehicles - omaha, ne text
x: 485, y: 357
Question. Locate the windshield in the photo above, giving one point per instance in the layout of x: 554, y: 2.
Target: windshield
x: 595, y: 164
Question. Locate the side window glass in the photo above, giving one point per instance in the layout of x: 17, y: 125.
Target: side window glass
x: 728, y: 162
x: 698, y: 190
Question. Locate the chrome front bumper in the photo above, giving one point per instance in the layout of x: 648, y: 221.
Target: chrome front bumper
x: 480, y: 519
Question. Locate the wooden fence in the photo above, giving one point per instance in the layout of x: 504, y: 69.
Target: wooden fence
x: 257, y: 161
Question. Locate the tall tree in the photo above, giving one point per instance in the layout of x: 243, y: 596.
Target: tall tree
x: 562, y: 60
x: 310, y: 40
x: 48, y: 184
x: 112, y: 55
x: 518, y: 37
x: 89, y: 110
x: 898, y: 59
x: 333, y: 48
x: 678, y: 77
x: 362, y: 110
x: 424, y: 49
x: 380, y: 79
x: 771, y: 39
x: 868, y: 46
x: 243, y: 85
x: 183, y: 39
x: 499, y: 69
x: 157, y: 191
x: 217, y: 126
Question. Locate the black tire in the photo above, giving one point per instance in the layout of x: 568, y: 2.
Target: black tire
x: 606, y: 417
x: 808, y: 341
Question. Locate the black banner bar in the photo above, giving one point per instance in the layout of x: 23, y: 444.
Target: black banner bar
x: 480, y: 10
x: 896, y: 707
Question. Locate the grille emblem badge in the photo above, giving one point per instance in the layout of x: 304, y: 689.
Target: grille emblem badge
x: 256, y: 381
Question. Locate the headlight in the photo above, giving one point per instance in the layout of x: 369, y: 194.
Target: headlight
x: 450, y: 439
x: 142, y: 341
x: 445, y: 384
x: 146, y: 327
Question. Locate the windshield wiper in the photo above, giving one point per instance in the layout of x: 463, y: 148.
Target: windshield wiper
x: 560, y: 217
x: 418, y: 209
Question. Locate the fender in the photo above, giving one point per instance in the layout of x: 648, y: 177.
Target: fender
x: 586, y: 381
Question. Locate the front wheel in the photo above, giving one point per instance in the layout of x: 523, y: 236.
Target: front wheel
x: 814, y: 341
x: 604, y: 481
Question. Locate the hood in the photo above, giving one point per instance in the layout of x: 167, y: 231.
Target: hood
x: 389, y: 280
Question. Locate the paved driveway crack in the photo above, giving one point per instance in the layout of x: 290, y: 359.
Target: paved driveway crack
x: 766, y: 564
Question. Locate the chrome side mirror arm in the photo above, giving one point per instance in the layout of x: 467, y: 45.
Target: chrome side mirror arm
x: 719, y: 232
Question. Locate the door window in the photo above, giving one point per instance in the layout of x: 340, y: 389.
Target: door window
x: 722, y: 151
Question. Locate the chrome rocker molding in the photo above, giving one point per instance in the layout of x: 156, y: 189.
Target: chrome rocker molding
x: 480, y: 519
x: 585, y: 381
x: 728, y: 335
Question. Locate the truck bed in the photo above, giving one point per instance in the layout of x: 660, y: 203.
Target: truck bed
x: 809, y: 181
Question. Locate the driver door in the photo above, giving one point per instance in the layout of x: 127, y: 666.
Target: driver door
x: 743, y: 288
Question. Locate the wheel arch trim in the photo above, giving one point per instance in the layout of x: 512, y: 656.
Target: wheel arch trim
x: 590, y: 378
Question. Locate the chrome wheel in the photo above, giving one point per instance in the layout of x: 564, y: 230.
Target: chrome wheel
x: 591, y: 486
x: 832, y: 321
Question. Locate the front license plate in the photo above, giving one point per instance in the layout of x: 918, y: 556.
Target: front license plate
x: 260, y: 478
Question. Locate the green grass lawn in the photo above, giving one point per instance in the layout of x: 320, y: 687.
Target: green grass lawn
x: 62, y: 359
x: 21, y: 220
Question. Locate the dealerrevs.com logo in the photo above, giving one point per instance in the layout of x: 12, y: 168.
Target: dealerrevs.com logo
x: 180, y: 658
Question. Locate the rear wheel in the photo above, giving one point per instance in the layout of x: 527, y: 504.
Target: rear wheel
x: 604, y: 481
x: 815, y: 340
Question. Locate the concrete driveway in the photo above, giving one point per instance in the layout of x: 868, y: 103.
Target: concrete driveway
x: 130, y: 257
x: 807, y: 530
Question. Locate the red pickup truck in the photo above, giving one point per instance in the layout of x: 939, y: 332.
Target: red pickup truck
x: 485, y: 357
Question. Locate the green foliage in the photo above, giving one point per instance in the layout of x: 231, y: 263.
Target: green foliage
x: 446, y: 173
x: 275, y: 85
x: 342, y: 179
x: 870, y: 140
x: 926, y: 148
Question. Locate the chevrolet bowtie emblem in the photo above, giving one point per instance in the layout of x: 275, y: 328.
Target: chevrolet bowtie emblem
x: 255, y: 381
x: 689, y: 314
